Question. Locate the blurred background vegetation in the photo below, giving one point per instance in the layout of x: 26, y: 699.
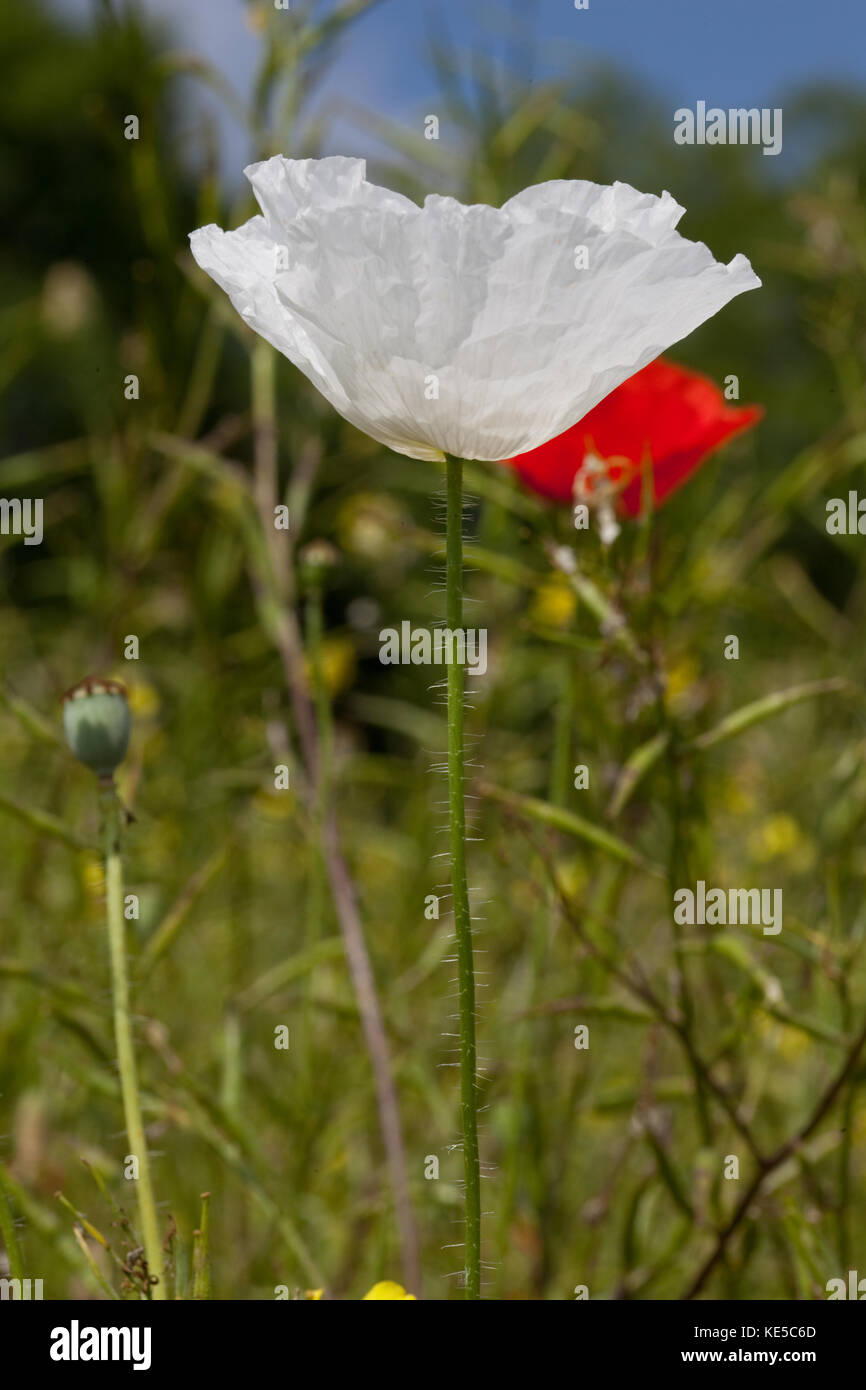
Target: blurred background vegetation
x: 604, y: 1165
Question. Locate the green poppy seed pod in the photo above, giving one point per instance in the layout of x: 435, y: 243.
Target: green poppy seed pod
x: 97, y: 723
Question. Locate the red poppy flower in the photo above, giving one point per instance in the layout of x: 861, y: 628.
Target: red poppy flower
x: 665, y: 415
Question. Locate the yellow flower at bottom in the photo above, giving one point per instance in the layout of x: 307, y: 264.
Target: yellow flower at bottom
x: 388, y: 1289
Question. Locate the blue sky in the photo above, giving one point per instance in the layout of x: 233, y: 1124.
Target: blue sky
x: 724, y: 52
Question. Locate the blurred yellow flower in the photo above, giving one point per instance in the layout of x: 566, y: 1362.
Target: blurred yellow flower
x: 554, y: 602
x: 142, y: 698
x: 93, y: 880
x: 788, y: 1042
x: 680, y: 679
x: 792, y: 1043
x: 737, y: 797
x: 780, y: 837
x: 573, y: 875
x: 388, y: 1289
x: 313, y: 1295
x: 339, y: 660
x: 274, y: 805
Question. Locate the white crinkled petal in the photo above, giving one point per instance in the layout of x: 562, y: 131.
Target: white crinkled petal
x: 463, y: 330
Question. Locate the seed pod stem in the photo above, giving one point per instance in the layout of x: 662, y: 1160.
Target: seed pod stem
x: 113, y: 821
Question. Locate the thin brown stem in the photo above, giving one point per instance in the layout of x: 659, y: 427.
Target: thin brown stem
x: 275, y: 587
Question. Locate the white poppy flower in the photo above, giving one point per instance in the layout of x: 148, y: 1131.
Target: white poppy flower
x: 476, y: 331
